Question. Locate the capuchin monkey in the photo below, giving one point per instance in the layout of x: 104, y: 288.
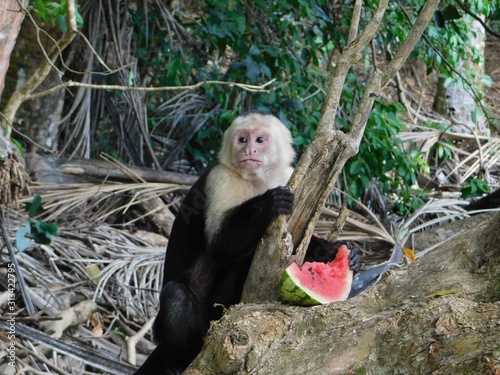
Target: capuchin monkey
x: 214, y: 236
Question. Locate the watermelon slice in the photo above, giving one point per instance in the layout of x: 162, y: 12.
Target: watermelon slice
x: 317, y: 283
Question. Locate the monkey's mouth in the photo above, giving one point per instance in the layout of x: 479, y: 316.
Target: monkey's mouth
x: 251, y: 162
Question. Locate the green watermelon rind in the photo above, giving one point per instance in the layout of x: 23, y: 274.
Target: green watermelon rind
x: 291, y: 291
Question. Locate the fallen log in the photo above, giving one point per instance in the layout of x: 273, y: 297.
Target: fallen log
x: 53, y: 170
x: 440, y: 315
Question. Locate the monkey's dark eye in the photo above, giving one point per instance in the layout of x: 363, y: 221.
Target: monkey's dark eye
x: 242, y: 140
x: 260, y: 139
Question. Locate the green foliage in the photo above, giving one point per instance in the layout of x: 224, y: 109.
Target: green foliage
x: 475, y: 188
x: 442, y: 151
x: 54, y: 12
x: 34, y: 208
x: 117, y: 331
x: 245, y: 43
x: 296, y: 43
x: 448, y: 42
x: 384, y: 157
x: 38, y: 230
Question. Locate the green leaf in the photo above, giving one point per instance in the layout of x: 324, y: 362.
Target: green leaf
x: 50, y: 229
x: 41, y: 9
x: 298, y: 141
x: 356, y: 167
x: 253, y: 70
x: 475, y: 188
x: 266, y: 70
x: 61, y: 20
x: 254, y: 50
x: 22, y: 242
x: 365, y: 180
x: 34, y: 208
x: 402, y: 170
x: 293, y: 105
x: 42, y: 232
x: 19, y: 146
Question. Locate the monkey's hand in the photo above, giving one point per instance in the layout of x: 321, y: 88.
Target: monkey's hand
x: 354, y: 257
x: 243, y: 226
x: 281, y: 198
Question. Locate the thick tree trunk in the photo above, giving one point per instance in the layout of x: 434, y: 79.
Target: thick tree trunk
x: 12, y: 181
x: 36, y: 119
x: 456, y: 102
x: 439, y: 315
x: 320, y: 165
x: 60, y: 171
x: 29, y: 84
x: 11, y: 18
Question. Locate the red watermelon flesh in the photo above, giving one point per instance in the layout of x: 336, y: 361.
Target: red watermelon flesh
x: 318, y: 283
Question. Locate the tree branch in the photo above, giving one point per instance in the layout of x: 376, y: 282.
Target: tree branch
x: 478, y: 19
x: 356, y: 15
x: 252, y: 88
x: 322, y: 162
x: 349, y: 57
x: 32, y: 83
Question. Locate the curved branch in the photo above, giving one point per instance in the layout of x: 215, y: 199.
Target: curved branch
x: 350, y: 55
x: 322, y: 162
x: 478, y: 19
x: 448, y: 64
x: 252, y: 88
x: 33, y: 82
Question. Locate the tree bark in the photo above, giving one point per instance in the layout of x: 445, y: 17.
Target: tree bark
x: 11, y: 17
x: 12, y: 182
x: 52, y: 170
x: 456, y: 102
x: 34, y: 81
x: 439, y: 315
x: 320, y: 166
x: 37, y: 120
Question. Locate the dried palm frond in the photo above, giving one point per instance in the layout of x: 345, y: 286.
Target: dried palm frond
x: 117, y: 118
x: 96, y: 203
x: 356, y: 227
x: 131, y: 267
x: 473, y: 155
x: 485, y: 157
x: 174, y: 28
x: 441, y: 210
x: 185, y: 114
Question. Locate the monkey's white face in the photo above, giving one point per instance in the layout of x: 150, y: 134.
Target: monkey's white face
x: 250, y: 149
x: 259, y: 148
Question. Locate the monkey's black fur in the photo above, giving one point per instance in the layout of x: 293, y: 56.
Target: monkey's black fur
x: 198, y: 275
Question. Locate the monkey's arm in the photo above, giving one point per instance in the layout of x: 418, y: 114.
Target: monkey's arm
x: 243, y: 226
x: 321, y: 250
